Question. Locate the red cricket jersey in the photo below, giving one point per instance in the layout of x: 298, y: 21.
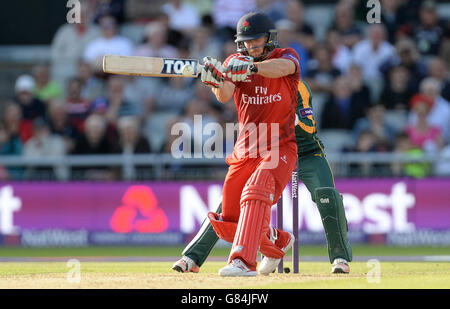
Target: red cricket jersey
x: 266, y: 109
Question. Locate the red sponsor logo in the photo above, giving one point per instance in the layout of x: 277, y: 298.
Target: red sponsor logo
x: 139, y: 212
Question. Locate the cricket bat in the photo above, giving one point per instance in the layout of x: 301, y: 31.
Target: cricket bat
x: 151, y: 66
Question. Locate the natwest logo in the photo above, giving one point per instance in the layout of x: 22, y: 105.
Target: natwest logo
x: 8, y: 205
x: 139, y: 212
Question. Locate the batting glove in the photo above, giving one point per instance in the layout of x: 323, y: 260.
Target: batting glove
x: 212, y: 73
x: 239, y: 68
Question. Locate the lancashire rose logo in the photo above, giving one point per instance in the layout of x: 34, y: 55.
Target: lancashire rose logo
x: 246, y: 25
x: 139, y: 212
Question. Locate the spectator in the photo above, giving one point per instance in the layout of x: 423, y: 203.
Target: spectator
x: 229, y: 47
x: 196, y: 113
x: 182, y: 16
x: 286, y: 38
x: 156, y: 42
x: 10, y: 146
x: 77, y: 107
x: 68, y: 45
x: 31, y: 106
x: 226, y: 14
x: 114, y: 105
x: 94, y: 140
x: 321, y: 71
x: 174, y: 96
x: 143, y: 91
x: 437, y: 68
x: 397, y: 92
x: 45, y: 89
x: 422, y: 134
x: 408, y: 15
x: 376, y: 124
x: 342, y: 110
x: 407, y: 56
x: 368, y: 142
x: 416, y: 169
x: 344, y: 23
x: 60, y: 125
x: 109, y: 43
x: 174, y: 37
x: 389, y: 17
x: 203, y: 93
x: 429, y: 31
x: 439, y: 114
x: 341, y: 54
x: 91, y: 86
x: 10, y: 142
x: 113, y: 8
x: 375, y: 48
x: 45, y: 144
x: 360, y: 92
x: 295, y: 12
x: 166, y: 147
x: 203, y: 43
x: 13, y: 122
x: 130, y: 139
x: 274, y: 9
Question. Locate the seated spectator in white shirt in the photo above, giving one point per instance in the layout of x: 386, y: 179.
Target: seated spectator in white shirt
x: 182, y: 16
x: 372, y: 52
x: 341, y: 54
x: 109, y: 43
x: 226, y: 14
x: 156, y: 42
x: 68, y: 45
x: 44, y: 144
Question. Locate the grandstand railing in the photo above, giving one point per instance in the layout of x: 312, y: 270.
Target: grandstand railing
x: 166, y: 167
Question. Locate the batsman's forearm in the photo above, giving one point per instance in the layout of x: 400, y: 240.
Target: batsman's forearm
x: 275, y: 68
x: 225, y: 93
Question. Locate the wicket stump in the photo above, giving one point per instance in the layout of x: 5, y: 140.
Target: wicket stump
x: 279, y: 216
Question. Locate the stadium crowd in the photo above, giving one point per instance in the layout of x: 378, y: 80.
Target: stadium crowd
x: 385, y: 85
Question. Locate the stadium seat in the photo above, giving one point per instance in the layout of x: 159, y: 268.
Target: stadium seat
x: 336, y: 139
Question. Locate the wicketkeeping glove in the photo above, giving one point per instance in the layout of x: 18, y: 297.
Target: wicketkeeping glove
x: 212, y: 72
x: 239, y: 68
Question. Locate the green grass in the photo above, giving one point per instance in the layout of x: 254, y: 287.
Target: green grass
x: 159, y: 275
x: 362, y: 250
x: 45, y: 274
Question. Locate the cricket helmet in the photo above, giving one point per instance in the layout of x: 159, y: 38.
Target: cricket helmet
x: 255, y: 25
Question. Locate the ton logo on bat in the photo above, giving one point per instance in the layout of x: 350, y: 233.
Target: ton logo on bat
x: 175, y: 66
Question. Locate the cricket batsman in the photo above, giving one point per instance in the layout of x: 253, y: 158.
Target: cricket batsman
x: 313, y: 168
x: 262, y: 79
